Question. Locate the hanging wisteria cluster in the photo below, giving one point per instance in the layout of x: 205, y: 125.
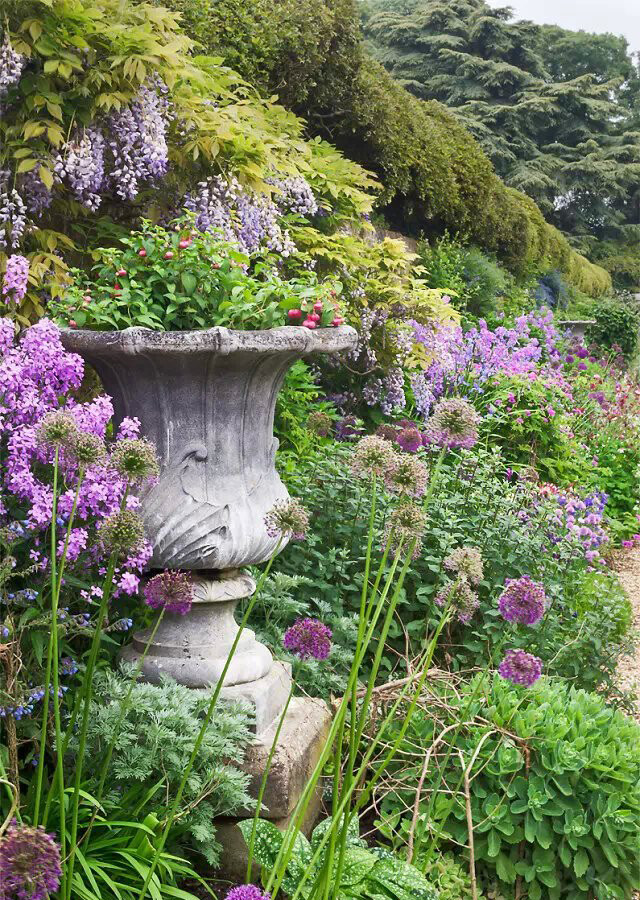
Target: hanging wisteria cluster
x: 13, y: 212
x: 11, y: 67
x: 251, y: 219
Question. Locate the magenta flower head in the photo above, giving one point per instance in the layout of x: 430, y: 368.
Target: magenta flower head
x: 523, y: 600
x: 520, y: 667
x: 171, y: 591
x: 454, y: 424
x: 247, y: 892
x: 308, y: 639
x: 29, y: 863
x: 287, y: 518
x: 410, y: 440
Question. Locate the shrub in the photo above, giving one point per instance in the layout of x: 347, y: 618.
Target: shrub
x: 616, y: 324
x: 153, y: 748
x: 554, y: 787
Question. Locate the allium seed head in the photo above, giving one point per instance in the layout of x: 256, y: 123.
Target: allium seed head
x: 459, y: 595
x: 520, y: 667
x: 407, y: 476
x: 171, y: 591
x: 122, y: 533
x: 57, y: 429
x: 372, y: 456
x: 308, y: 638
x: 523, y: 600
x: 135, y: 458
x: 88, y: 449
x: 288, y: 518
x: 454, y: 424
x: 405, y: 525
x: 466, y: 561
x: 320, y: 423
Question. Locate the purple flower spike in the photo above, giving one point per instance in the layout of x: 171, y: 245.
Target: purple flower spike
x: 523, y: 601
x: 171, y: 591
x: 308, y: 639
x: 520, y: 667
x: 14, y: 283
x: 247, y: 892
x: 29, y: 863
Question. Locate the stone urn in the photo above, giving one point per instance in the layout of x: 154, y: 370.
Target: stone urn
x: 206, y: 399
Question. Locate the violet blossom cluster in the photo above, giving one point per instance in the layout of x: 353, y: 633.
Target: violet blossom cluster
x: 520, y: 667
x: 14, y: 282
x: 308, y: 639
x: 37, y: 375
x: 12, y: 64
x: 171, y: 591
x: 295, y: 195
x: 13, y: 212
x: 461, y: 362
x: 30, y: 864
x: 248, y: 218
x: 577, y: 525
x: 522, y: 600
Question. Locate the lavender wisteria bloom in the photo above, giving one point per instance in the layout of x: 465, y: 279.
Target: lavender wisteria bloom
x: 171, y: 591
x: 287, y: 518
x: 247, y: 892
x: 30, y: 866
x: 13, y: 212
x: 453, y: 424
x: 523, y: 600
x: 295, y: 195
x: 12, y: 64
x: 15, y: 280
x: 459, y: 596
x: 520, y: 667
x: 466, y: 561
x: 308, y: 639
x: 82, y: 166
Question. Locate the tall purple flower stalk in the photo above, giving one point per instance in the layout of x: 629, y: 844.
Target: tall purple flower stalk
x: 171, y: 591
x: 308, y: 639
x: 14, y: 283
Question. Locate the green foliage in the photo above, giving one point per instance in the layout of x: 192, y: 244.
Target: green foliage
x: 586, y: 625
x: 449, y: 878
x: 298, y: 399
x: 434, y: 174
x: 152, y: 751
x: 367, y: 874
x: 205, y: 282
x: 616, y: 324
x: 87, y: 59
x: 554, y: 787
x: 563, y: 134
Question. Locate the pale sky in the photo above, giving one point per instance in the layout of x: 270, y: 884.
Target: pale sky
x: 616, y: 16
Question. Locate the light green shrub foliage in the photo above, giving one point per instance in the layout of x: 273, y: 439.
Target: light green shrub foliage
x: 617, y: 320
x: 555, y: 788
x: 153, y: 748
x: 434, y: 174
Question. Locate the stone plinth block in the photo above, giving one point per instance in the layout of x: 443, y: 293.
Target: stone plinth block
x: 302, y: 739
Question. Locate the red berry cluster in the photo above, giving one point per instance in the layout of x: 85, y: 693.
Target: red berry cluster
x: 311, y: 319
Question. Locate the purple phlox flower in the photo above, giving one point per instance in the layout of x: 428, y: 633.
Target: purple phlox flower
x: 308, y: 639
x: 523, y: 600
x: 247, y: 892
x: 520, y: 667
x: 29, y: 863
x: 171, y: 591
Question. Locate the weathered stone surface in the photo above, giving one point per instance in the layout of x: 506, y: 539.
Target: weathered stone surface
x: 301, y: 741
x: 576, y: 327
x: 206, y: 399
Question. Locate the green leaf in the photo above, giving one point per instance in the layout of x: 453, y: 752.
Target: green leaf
x: 580, y: 862
x: 189, y: 282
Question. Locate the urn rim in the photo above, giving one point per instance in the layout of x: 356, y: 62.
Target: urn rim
x: 283, y: 339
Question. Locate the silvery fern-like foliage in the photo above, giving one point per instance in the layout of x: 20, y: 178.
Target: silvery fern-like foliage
x: 153, y: 749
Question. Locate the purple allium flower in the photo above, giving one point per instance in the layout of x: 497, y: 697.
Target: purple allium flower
x: 460, y: 597
x: 14, y: 283
x: 287, y: 518
x: 405, y: 524
x: 466, y: 561
x: 372, y: 456
x: 347, y: 429
x: 247, y: 892
x: 407, y: 476
x: 454, y: 424
x: 308, y: 638
x: 171, y: 591
x: 520, y: 667
x: 387, y: 432
x: 320, y: 423
x: 29, y: 863
x: 523, y: 600
x: 409, y: 440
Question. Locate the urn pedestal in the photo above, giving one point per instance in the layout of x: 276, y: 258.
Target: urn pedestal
x: 206, y: 399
